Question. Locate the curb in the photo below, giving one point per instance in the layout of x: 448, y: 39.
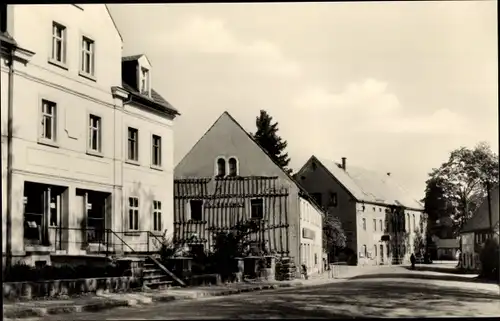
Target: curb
x: 27, y: 312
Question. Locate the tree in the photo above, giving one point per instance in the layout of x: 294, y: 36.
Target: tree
x: 418, y: 243
x: 334, y: 238
x: 266, y: 136
x: 458, y: 186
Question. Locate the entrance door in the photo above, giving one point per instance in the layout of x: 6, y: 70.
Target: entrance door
x: 382, y: 253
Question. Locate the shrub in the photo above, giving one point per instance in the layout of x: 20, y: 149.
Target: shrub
x: 489, y: 257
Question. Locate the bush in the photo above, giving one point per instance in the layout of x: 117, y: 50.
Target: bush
x: 489, y: 257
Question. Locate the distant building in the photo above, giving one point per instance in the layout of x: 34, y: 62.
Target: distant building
x: 91, y: 140
x: 366, y: 203
x: 478, y: 229
x: 447, y: 248
x: 227, y: 178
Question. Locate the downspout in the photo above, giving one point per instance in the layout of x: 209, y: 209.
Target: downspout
x: 10, y: 110
x: 122, y: 169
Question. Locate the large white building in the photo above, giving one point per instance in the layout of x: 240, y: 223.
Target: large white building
x: 91, y: 141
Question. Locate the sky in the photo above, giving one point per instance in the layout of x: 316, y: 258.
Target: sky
x: 391, y: 86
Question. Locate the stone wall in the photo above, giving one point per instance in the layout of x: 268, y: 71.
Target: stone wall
x: 55, y: 288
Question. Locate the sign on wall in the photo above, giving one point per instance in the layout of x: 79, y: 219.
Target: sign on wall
x: 308, y: 234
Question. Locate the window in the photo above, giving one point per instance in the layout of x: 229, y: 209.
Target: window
x: 374, y: 209
x: 144, y: 81
x: 133, y: 213
x: 156, y: 150
x: 48, y: 120
x: 196, y: 207
x: 257, y: 208
x: 317, y: 198
x: 133, y: 144
x: 414, y: 225
x: 95, y: 133
x: 233, y: 167
x: 221, y: 167
x: 333, y: 200
x: 375, y: 249
x: 374, y: 224
x: 381, y: 225
x: 87, y: 56
x: 3, y: 17
x: 364, y: 224
x: 58, y: 42
x: 364, y: 251
x: 156, y: 215
x: 408, y: 222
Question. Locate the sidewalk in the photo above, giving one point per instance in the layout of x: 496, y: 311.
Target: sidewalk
x: 101, y: 301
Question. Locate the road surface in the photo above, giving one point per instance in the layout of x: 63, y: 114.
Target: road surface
x: 402, y: 294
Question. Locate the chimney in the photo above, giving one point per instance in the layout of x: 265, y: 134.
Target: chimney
x: 389, y: 174
x: 344, y: 163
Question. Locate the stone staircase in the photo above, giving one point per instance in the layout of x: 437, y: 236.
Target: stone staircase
x: 154, y: 277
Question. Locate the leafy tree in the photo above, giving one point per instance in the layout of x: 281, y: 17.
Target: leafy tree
x: 334, y: 238
x: 458, y: 186
x: 268, y: 139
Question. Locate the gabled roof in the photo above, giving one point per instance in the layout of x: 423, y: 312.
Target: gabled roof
x: 136, y: 57
x: 480, y: 220
x: 369, y: 186
x: 114, y: 23
x: 302, y: 192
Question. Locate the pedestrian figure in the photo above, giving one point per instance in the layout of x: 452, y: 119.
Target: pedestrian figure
x: 412, y: 260
x: 304, y: 271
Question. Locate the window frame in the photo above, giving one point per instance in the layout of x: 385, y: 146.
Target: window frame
x: 201, y: 203
x: 144, y: 81
x: 91, y: 129
x: 236, y: 166
x: 156, y: 163
x: 53, y: 59
x: 218, y: 166
x: 333, y: 201
x: 42, y: 137
x: 134, y: 160
x: 83, y: 55
x: 157, y: 216
x: 133, y: 213
x: 252, y: 206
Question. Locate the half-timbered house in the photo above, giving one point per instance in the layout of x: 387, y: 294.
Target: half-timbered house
x: 227, y: 178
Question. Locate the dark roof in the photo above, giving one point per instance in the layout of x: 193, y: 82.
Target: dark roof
x: 129, y: 83
x: 370, y: 186
x: 131, y: 58
x: 480, y: 220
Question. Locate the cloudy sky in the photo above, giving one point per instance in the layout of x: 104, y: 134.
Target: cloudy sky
x: 391, y: 86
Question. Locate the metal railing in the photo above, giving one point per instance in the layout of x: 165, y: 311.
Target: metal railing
x: 96, y: 240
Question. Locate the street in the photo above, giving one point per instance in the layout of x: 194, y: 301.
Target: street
x: 400, y: 293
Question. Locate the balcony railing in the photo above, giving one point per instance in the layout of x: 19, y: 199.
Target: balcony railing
x: 96, y: 240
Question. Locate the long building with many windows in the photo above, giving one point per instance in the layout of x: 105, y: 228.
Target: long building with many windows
x: 87, y: 143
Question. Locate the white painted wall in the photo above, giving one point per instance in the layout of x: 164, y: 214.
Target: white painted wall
x: 68, y: 163
x: 312, y: 219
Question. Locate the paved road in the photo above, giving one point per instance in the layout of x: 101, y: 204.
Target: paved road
x: 401, y: 293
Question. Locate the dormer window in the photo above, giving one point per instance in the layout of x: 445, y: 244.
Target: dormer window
x: 144, y: 81
x: 221, y: 167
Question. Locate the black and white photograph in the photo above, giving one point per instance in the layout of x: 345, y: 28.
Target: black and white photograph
x: 250, y: 160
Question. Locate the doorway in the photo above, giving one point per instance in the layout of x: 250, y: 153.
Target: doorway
x: 93, y: 210
x: 42, y: 211
x: 381, y: 253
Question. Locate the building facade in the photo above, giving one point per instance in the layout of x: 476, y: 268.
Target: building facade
x: 380, y: 221
x: 92, y: 156
x: 484, y: 224
x: 260, y: 189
